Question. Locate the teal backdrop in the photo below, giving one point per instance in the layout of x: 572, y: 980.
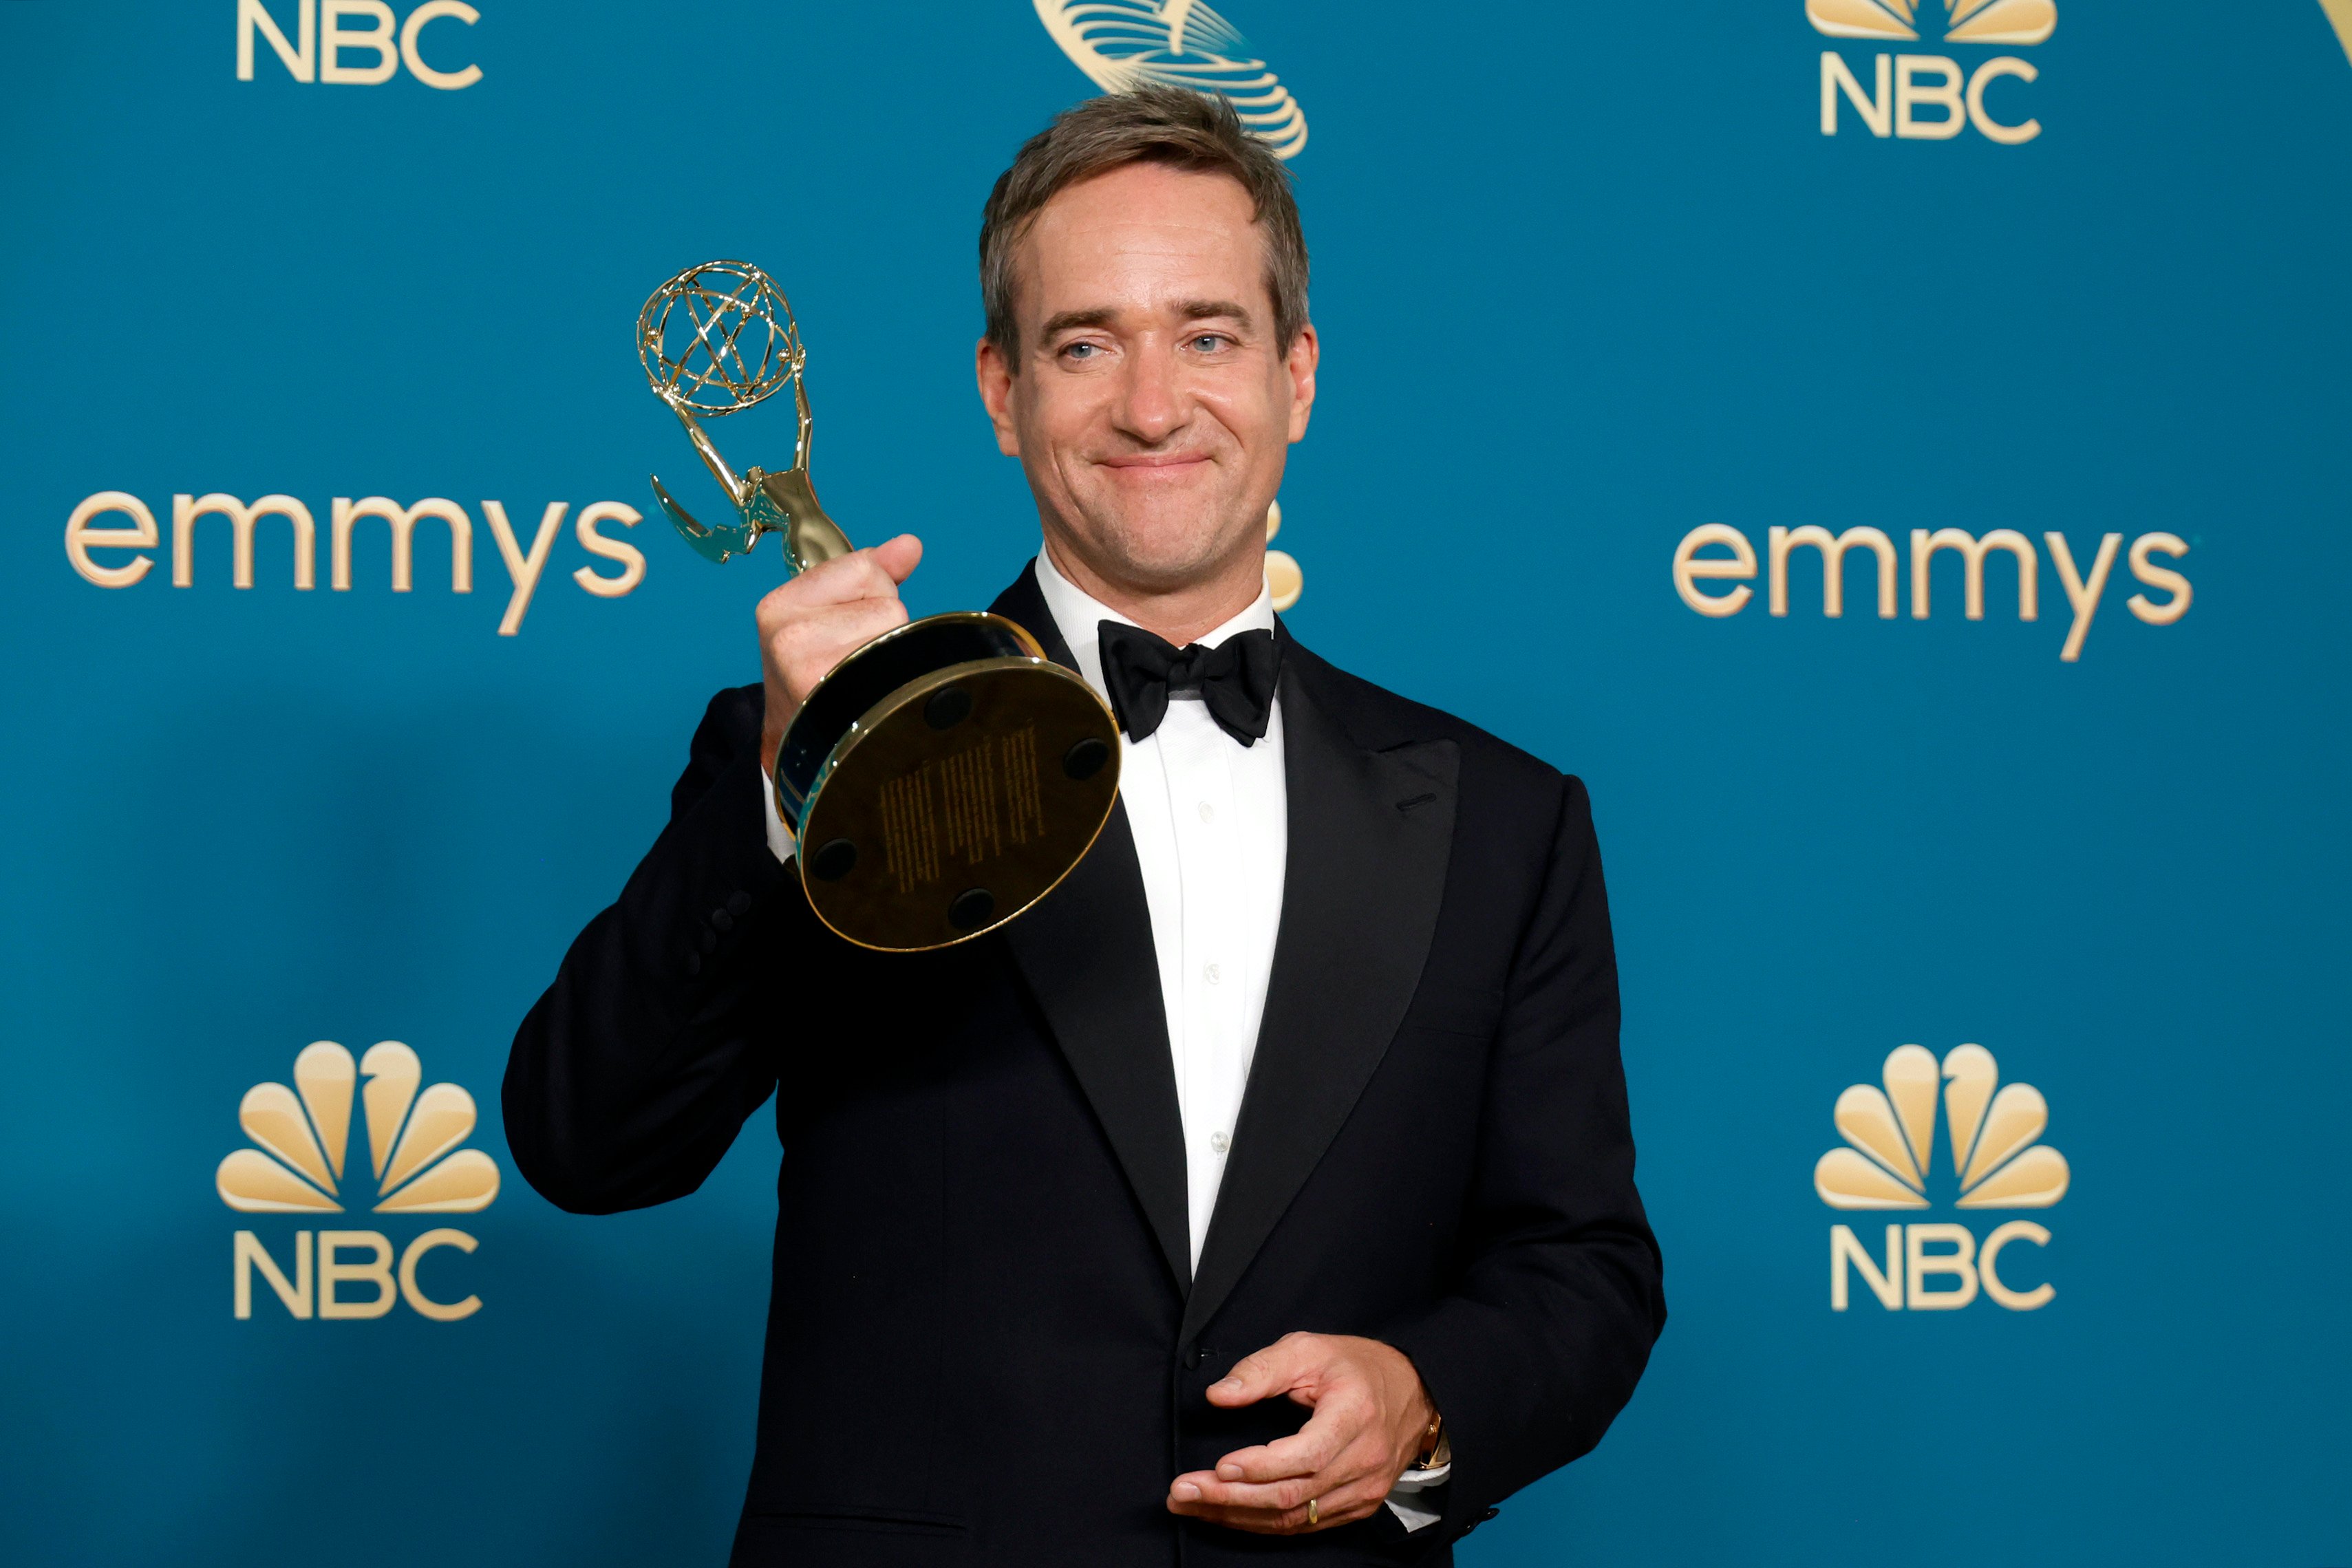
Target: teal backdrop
x: 1588, y: 278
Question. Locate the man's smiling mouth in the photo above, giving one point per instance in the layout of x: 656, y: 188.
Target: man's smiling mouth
x: 1147, y: 462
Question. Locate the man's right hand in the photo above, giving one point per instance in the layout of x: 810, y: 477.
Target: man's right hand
x: 812, y: 622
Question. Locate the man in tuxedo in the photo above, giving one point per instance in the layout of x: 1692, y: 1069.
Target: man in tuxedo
x: 1269, y: 1186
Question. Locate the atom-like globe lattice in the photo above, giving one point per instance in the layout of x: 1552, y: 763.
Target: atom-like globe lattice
x: 719, y: 338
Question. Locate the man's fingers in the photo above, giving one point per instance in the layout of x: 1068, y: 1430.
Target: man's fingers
x: 1278, y: 1369
x: 805, y: 649
x: 1271, y: 1496
x: 1286, y: 1474
x: 1341, y: 1416
x: 1279, y: 1510
x: 860, y: 574
x: 838, y: 628
x: 1293, y: 1522
x: 900, y: 557
x: 1344, y: 1460
x: 809, y: 647
x: 1305, y: 1452
x: 1340, y: 1483
x: 1264, y: 1464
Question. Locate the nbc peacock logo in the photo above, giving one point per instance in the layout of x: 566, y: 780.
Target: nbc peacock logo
x: 304, y: 1163
x: 1905, y: 84
x: 1123, y: 44
x: 1965, y: 21
x: 1997, y: 1160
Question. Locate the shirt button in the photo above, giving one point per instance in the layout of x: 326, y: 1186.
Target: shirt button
x: 1208, y: 813
x: 1219, y: 1143
x: 1211, y: 975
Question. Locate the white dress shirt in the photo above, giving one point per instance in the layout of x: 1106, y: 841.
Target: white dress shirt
x: 1211, y: 827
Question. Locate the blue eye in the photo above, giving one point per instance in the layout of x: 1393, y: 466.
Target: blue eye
x: 1082, y: 351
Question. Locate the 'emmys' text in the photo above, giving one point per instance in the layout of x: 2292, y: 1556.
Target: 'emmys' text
x: 524, y: 564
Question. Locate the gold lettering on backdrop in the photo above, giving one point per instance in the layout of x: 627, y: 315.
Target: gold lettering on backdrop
x: 2083, y: 591
x: 310, y: 1167
x: 968, y: 806
x: 323, y: 39
x: 1931, y: 80
x: 525, y: 566
x: 1993, y: 1133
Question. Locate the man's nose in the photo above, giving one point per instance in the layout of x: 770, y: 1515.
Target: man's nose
x: 1151, y: 404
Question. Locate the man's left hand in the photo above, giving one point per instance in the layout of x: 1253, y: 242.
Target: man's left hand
x: 1370, y: 1413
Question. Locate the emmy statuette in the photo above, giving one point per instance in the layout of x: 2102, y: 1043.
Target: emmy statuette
x: 945, y: 776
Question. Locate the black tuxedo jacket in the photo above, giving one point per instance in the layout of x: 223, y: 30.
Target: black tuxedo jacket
x: 986, y: 1343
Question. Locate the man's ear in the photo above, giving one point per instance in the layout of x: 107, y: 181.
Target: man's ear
x: 995, y: 376
x: 1305, y: 354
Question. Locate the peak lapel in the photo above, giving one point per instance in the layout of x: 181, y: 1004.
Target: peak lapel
x: 1087, y: 954
x: 1371, y: 833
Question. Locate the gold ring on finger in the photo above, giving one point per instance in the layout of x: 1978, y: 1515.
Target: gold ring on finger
x: 1314, y: 1514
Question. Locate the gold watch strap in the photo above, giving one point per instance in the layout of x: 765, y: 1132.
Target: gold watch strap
x: 1437, y: 1448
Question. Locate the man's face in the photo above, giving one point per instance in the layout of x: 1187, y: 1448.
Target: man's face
x: 1151, y: 408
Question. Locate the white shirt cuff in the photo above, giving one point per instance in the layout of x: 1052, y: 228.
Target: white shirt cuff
x: 779, y: 837
x: 1404, y: 1498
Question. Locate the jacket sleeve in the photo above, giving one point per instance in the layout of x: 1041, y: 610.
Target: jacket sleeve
x: 633, y: 1073
x: 1560, y: 1295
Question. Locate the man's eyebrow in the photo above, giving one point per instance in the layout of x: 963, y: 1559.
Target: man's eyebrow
x: 1211, y: 309
x: 1068, y: 319
x: 1190, y: 309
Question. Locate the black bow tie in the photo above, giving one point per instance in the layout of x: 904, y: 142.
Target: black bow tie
x: 1235, y: 678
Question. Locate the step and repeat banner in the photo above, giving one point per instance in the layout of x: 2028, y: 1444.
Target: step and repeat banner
x: 1895, y: 451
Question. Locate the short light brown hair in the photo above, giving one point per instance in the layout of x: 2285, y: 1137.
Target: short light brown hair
x: 1152, y: 124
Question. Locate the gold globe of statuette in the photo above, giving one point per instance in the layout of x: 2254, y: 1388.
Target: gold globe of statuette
x: 714, y: 340
x: 691, y: 338
x: 946, y: 775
